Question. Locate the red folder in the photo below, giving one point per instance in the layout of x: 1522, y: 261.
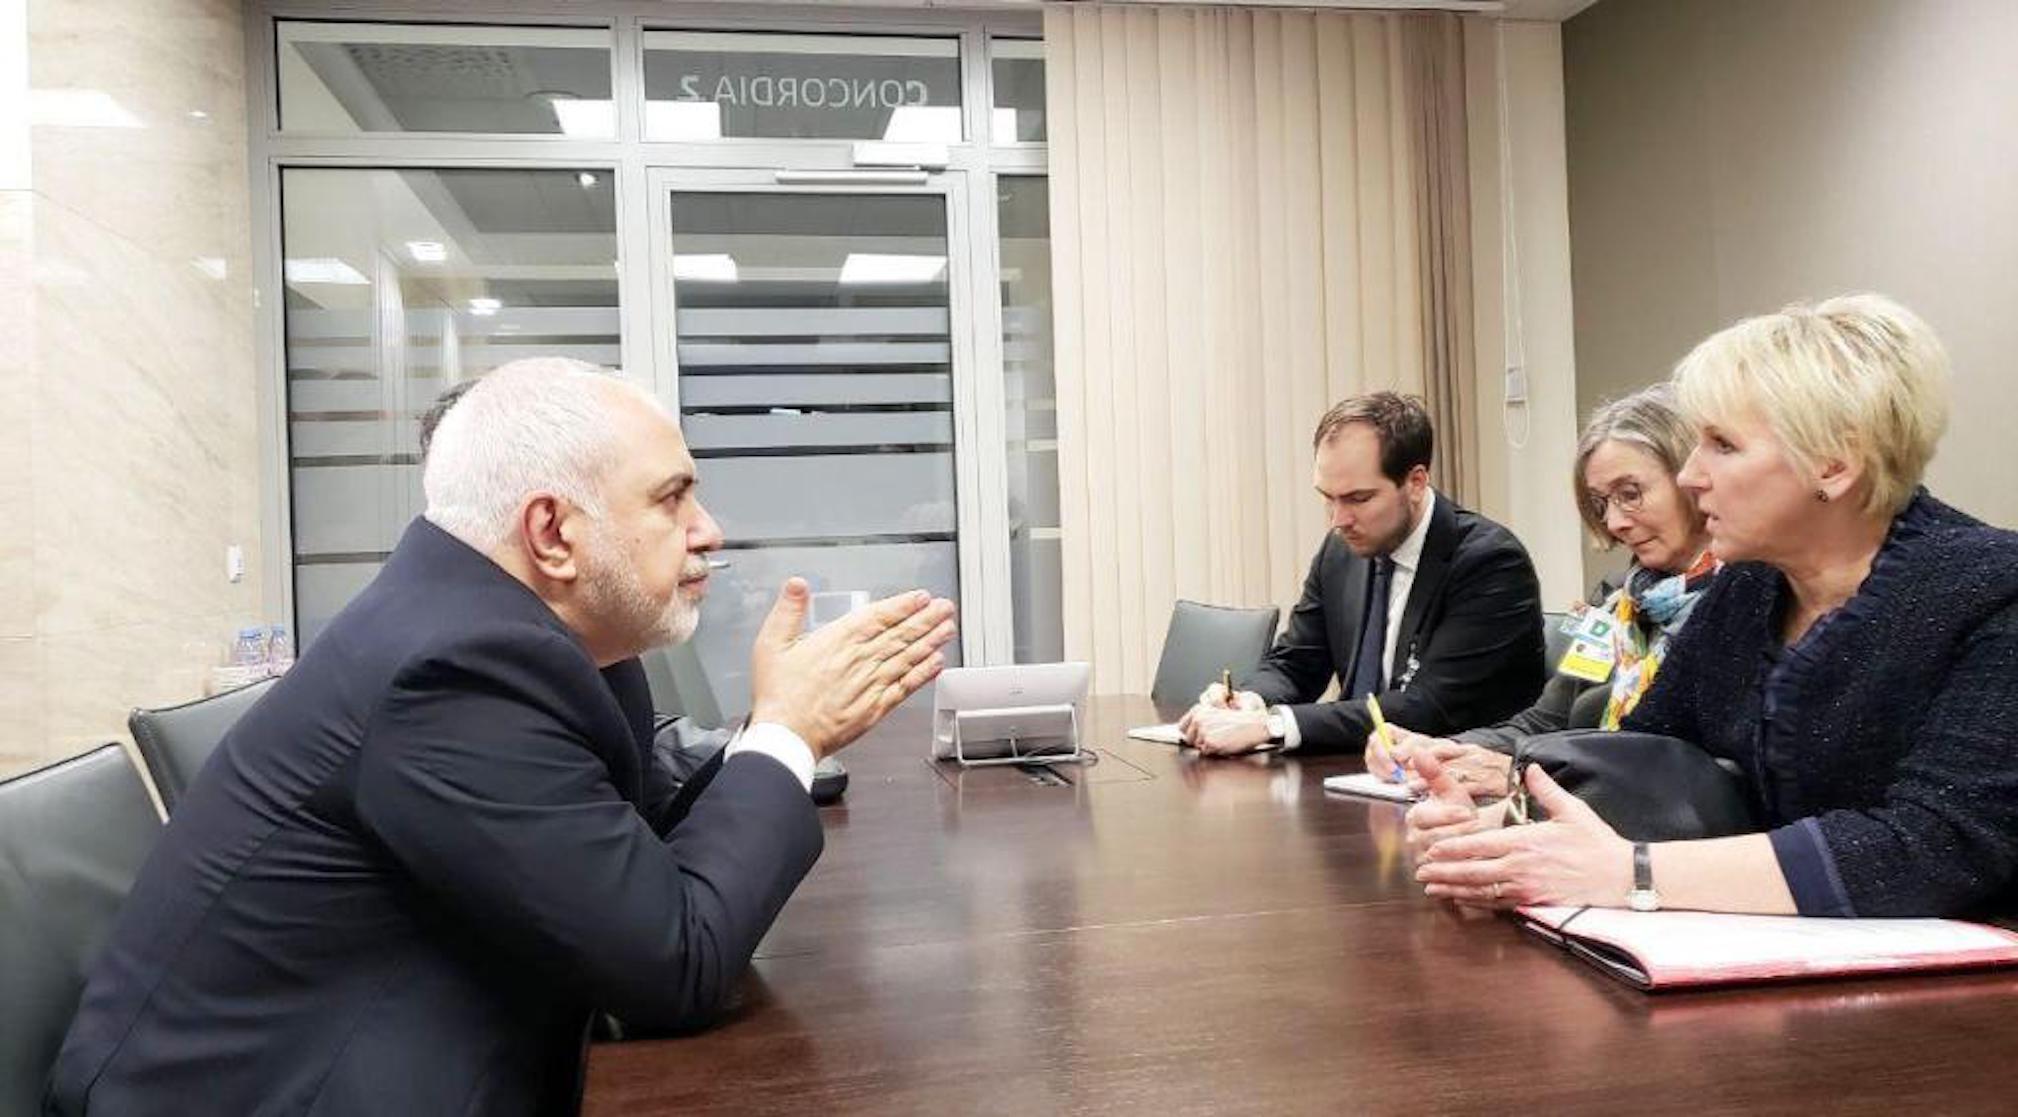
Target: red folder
x: 1680, y: 949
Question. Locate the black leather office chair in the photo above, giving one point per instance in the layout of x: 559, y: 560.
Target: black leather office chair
x: 72, y: 838
x: 1555, y: 641
x: 680, y: 685
x: 176, y: 740
x: 1203, y: 641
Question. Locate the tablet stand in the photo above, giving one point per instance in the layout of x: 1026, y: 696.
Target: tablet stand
x: 982, y: 720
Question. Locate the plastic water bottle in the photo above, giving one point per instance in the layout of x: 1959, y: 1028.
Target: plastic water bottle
x: 250, y: 650
x: 279, y: 651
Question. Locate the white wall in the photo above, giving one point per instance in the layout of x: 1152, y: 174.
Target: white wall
x: 1521, y: 292
x: 1728, y: 158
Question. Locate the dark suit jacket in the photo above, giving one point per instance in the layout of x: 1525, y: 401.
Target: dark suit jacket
x: 1469, y: 651
x: 408, y: 874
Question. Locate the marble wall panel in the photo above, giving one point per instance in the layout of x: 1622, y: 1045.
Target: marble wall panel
x: 126, y: 352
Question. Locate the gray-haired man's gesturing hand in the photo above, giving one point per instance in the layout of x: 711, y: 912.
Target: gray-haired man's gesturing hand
x: 832, y: 685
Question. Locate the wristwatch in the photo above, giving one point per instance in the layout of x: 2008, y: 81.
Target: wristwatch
x: 1643, y: 897
x: 1278, y: 725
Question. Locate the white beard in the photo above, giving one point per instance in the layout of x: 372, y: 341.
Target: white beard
x: 616, y: 594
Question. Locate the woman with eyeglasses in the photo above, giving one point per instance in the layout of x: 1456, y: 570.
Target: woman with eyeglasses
x: 1857, y: 658
x: 1624, y: 482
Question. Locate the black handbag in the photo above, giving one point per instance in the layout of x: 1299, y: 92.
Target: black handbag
x: 1648, y: 787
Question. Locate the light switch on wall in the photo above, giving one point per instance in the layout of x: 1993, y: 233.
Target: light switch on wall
x: 1516, y: 384
x: 234, y: 563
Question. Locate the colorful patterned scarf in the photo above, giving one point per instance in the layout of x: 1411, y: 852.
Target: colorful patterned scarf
x: 1651, y: 607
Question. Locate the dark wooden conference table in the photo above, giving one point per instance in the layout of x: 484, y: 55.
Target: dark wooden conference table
x: 1165, y: 934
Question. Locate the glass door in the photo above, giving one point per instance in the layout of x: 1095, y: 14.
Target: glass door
x: 818, y: 351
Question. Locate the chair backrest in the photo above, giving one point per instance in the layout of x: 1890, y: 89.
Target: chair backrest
x: 1203, y: 641
x: 176, y: 740
x: 72, y: 838
x: 680, y: 685
x: 1554, y: 640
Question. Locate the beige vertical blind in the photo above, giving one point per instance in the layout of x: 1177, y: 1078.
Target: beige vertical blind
x: 1241, y: 236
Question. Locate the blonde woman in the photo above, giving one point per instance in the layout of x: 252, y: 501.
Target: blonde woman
x: 1623, y: 478
x: 1857, y: 659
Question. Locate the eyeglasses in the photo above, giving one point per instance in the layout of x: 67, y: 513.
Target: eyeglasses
x: 1628, y: 496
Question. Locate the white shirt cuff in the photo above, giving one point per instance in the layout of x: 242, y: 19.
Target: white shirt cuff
x: 768, y: 738
x: 1291, y: 735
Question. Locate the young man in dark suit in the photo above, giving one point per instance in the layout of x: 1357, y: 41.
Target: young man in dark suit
x: 1433, y: 608
x: 411, y: 872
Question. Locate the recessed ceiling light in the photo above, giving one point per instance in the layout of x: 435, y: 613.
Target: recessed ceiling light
x: 323, y: 269
x: 485, y: 306
x: 427, y: 251
x: 705, y: 268
x: 590, y: 119
x: 923, y: 124
x: 683, y: 120
x: 870, y: 267
x: 587, y: 178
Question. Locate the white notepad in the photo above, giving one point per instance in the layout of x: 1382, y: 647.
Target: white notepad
x: 1370, y: 786
x: 1162, y: 734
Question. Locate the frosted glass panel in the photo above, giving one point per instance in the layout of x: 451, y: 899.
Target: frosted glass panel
x: 710, y: 85
x: 719, y: 433
x: 399, y: 284
x: 796, y: 496
x: 815, y: 389
x: 1018, y: 69
x: 345, y: 78
x: 856, y: 387
x: 322, y: 589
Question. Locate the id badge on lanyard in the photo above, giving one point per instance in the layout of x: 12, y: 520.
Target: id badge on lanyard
x: 1594, y: 649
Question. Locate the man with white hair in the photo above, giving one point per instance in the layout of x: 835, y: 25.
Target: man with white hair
x: 411, y: 872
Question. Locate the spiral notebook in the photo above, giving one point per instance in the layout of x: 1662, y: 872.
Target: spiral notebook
x: 1680, y: 949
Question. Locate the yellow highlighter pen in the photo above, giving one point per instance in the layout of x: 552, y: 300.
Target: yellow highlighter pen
x: 1386, y: 738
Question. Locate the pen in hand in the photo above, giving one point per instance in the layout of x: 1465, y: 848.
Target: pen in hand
x: 1386, y: 739
x: 1226, y: 687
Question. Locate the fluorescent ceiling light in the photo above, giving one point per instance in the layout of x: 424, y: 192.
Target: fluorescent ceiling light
x: 586, y: 179
x: 80, y: 108
x: 923, y: 124
x: 323, y: 269
x: 683, y: 120
x: 705, y: 269
x: 427, y: 251
x: 863, y: 268
x: 485, y: 307
x: 591, y: 119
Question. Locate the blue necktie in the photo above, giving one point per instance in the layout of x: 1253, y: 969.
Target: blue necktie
x: 1367, y: 676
